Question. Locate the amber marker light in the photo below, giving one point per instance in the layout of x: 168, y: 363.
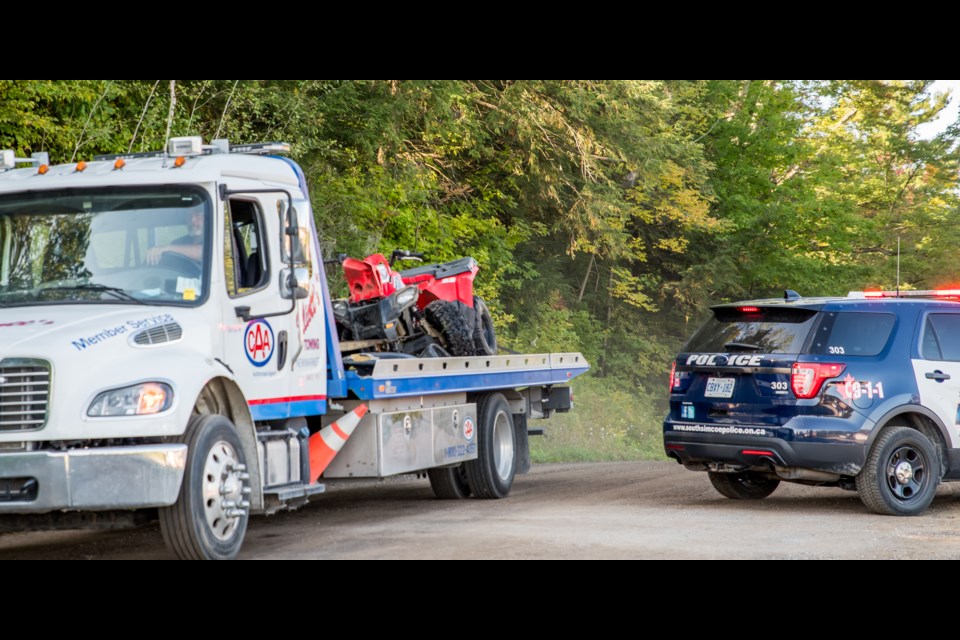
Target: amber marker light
x: 43, y: 170
x: 179, y: 162
x: 81, y: 166
x: 119, y: 164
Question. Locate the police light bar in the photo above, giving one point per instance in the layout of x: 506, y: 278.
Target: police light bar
x: 927, y: 293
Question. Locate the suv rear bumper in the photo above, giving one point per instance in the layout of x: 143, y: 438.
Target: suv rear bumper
x: 843, y: 456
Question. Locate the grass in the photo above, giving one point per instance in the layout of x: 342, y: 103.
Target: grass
x: 608, y: 422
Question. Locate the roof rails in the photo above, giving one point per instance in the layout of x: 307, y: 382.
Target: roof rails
x: 927, y: 293
x: 193, y: 146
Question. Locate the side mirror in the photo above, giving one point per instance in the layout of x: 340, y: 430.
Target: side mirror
x: 292, y: 229
x: 293, y: 284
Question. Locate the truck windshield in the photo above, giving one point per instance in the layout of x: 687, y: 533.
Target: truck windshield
x: 149, y: 245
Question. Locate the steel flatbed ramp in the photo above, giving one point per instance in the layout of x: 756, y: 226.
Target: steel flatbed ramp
x: 394, y: 378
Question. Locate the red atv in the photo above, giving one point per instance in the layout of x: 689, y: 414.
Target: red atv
x: 428, y: 311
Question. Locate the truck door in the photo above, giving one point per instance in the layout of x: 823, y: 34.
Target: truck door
x: 308, y: 373
x: 260, y: 324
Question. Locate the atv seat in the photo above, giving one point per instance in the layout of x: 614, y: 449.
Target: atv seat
x: 426, y: 272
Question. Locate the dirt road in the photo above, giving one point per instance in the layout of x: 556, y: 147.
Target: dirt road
x: 605, y: 510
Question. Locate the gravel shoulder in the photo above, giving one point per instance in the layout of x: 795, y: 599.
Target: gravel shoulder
x: 624, y: 510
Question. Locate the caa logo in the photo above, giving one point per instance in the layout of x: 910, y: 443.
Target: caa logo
x: 468, y: 430
x: 258, y: 342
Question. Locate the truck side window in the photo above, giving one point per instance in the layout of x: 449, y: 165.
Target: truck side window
x: 245, y: 260
x: 301, y: 248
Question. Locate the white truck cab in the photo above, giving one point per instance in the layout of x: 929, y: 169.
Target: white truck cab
x: 164, y: 345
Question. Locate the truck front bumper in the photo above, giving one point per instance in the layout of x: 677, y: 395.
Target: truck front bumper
x: 91, y: 479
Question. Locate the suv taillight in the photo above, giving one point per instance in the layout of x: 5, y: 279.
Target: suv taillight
x: 673, y: 375
x: 807, y: 377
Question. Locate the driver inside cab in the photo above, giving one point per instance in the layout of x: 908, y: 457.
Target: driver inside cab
x: 189, y: 246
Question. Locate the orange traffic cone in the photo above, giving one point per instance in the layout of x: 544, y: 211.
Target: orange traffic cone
x: 325, y: 443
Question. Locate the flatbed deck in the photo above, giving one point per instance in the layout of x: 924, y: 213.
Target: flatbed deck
x: 394, y: 378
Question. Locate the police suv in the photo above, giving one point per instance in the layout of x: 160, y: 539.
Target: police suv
x: 861, y: 392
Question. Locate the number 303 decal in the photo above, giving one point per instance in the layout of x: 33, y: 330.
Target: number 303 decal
x: 835, y: 350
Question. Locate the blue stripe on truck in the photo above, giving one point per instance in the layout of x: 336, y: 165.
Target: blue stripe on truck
x: 371, y: 388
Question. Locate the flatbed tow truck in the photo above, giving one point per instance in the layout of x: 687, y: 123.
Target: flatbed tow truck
x: 168, y: 350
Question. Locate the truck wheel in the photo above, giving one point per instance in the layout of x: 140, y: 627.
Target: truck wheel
x: 446, y: 318
x: 484, y: 335
x: 743, y: 486
x: 449, y: 483
x: 901, y: 475
x: 209, y: 519
x: 491, y: 474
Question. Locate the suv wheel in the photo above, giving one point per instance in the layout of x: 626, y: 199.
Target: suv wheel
x: 901, y: 475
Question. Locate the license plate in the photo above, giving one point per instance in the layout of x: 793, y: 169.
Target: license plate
x: 719, y: 387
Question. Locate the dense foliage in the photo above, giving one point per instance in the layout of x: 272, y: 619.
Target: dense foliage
x: 606, y: 215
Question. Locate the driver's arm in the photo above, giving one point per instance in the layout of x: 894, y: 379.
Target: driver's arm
x: 192, y: 251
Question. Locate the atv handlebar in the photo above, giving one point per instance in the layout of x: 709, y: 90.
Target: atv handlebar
x: 405, y: 255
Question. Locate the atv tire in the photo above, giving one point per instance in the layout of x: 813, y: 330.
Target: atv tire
x: 484, y: 336
x: 452, y: 326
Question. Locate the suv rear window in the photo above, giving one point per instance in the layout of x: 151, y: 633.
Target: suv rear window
x: 763, y: 330
x: 777, y: 330
x: 852, y: 333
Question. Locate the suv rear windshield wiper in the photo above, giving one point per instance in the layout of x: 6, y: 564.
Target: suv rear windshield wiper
x: 743, y: 345
x: 117, y: 292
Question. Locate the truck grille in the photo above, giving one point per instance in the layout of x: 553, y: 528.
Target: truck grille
x: 170, y: 332
x: 24, y: 397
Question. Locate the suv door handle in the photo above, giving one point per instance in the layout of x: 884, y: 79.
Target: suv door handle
x: 938, y: 375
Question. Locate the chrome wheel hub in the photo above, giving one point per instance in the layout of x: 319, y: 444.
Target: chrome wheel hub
x: 503, y: 446
x: 904, y: 472
x: 224, y: 490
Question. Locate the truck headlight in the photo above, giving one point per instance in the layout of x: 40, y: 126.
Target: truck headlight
x: 139, y: 400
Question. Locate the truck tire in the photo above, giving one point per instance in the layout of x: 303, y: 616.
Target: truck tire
x: 209, y: 519
x: 446, y: 318
x: 743, y: 486
x: 901, y: 475
x: 449, y: 483
x: 484, y: 335
x: 490, y: 476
